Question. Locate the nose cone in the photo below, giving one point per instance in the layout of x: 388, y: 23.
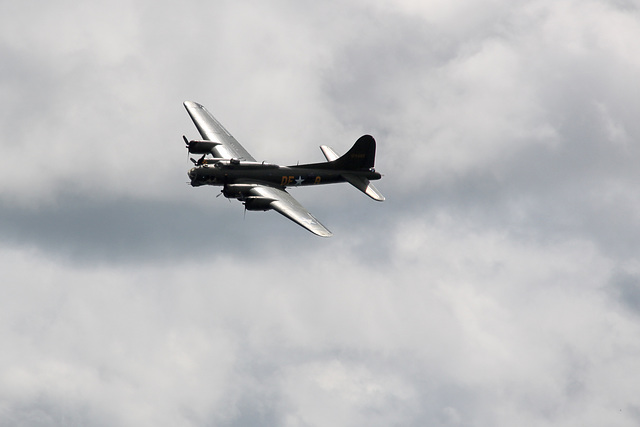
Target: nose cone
x: 192, y: 175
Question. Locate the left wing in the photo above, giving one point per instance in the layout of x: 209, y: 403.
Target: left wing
x: 287, y: 205
x: 211, y: 130
x: 227, y: 147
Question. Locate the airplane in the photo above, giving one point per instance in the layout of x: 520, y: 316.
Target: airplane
x: 261, y: 186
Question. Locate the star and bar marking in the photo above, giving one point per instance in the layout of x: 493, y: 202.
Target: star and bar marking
x: 290, y: 179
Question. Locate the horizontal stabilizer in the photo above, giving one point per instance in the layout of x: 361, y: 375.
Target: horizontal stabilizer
x: 329, y: 154
x: 363, y: 184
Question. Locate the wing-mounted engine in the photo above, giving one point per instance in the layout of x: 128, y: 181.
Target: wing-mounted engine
x: 258, y: 203
x: 196, y: 146
x: 237, y: 191
x: 251, y: 201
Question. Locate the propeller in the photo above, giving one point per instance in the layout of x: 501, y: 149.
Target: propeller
x: 199, y: 162
x: 221, y: 193
x: 186, y: 141
x: 224, y: 187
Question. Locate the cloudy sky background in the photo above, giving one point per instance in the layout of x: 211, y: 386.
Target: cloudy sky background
x: 498, y: 284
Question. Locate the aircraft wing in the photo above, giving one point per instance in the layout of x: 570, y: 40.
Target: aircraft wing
x: 288, y: 206
x: 211, y: 130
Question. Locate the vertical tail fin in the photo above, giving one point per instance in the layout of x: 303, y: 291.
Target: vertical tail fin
x: 361, y: 156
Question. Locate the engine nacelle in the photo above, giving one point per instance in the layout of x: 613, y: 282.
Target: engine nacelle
x: 237, y: 191
x: 252, y: 203
x: 201, y: 147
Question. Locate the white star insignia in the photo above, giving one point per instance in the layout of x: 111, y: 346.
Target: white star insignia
x: 299, y: 181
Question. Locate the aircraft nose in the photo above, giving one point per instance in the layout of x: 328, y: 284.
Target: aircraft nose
x: 192, y: 174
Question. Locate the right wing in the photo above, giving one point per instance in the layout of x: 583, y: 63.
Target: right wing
x: 211, y: 130
x: 285, y: 204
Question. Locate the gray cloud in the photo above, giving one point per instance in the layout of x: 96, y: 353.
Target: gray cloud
x: 625, y: 288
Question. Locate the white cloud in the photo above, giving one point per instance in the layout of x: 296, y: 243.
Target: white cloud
x: 522, y: 331
x: 352, y: 393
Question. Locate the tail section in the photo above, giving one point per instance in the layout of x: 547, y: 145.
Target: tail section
x: 361, y: 156
x: 356, y: 166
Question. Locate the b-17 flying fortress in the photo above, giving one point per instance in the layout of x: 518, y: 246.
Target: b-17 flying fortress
x: 262, y: 186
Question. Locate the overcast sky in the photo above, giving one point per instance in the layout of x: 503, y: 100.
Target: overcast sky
x: 498, y: 284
